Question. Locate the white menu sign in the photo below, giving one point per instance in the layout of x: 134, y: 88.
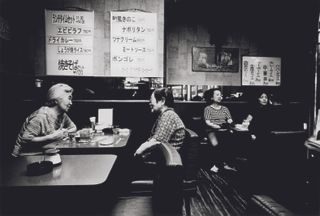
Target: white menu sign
x: 261, y: 71
x: 133, y: 46
x: 69, y: 42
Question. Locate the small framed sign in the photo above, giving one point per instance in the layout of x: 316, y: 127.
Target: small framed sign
x: 261, y: 71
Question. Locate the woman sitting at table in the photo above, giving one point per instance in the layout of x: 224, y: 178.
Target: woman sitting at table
x: 49, y: 123
x: 168, y: 128
x: 260, y: 117
x: 217, y: 118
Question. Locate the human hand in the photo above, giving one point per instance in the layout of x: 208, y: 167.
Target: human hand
x: 59, y: 134
x: 215, y: 126
x: 140, y: 150
x: 245, y: 124
x: 146, y: 146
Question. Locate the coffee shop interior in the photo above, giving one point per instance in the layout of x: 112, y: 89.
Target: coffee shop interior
x: 254, y: 62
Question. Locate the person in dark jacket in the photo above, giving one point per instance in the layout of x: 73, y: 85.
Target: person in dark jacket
x: 261, y: 119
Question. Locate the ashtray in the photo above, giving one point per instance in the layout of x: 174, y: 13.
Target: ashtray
x: 39, y: 168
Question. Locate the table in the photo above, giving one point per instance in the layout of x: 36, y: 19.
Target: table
x: 94, y: 146
x: 75, y: 170
x: 74, y: 187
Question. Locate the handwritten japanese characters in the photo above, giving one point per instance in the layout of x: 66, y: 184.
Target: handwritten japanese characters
x: 133, y: 46
x: 261, y: 71
x: 69, y: 42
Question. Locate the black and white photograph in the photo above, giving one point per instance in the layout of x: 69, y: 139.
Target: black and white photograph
x: 210, y: 59
x: 159, y: 108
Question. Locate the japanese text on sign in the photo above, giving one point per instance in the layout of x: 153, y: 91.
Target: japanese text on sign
x: 261, y: 71
x: 134, y: 44
x: 69, y: 42
x: 65, y: 18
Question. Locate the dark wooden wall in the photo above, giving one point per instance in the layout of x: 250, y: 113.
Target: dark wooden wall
x: 263, y: 28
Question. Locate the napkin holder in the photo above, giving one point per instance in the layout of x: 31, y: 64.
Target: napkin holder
x: 55, y: 159
x: 53, y: 156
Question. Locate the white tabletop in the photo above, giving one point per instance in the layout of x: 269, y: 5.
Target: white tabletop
x: 75, y: 170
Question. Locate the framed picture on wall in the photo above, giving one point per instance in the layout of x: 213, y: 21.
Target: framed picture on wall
x: 261, y: 71
x: 177, y: 91
x: 211, y: 59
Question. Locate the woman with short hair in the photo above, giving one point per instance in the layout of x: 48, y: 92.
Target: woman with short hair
x: 217, y: 117
x: 168, y: 128
x: 49, y: 123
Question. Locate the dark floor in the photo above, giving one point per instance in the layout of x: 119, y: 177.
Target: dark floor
x: 220, y: 194
x: 215, y: 196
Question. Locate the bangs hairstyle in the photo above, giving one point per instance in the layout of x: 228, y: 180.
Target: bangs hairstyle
x: 208, y: 95
x: 56, y: 92
x: 259, y: 94
x: 164, y: 94
x: 215, y: 89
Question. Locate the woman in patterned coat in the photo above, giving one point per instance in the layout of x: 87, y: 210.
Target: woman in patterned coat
x: 47, y: 124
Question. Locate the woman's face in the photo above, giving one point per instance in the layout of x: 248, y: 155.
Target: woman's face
x: 217, y: 96
x: 263, y: 99
x: 155, y: 105
x: 65, y: 102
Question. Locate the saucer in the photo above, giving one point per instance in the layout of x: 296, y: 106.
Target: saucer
x: 107, y: 140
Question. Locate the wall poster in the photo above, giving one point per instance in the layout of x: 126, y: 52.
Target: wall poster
x: 69, y: 42
x: 261, y: 71
x: 133, y: 46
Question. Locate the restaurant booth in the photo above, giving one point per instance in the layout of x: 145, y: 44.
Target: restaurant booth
x: 114, y: 54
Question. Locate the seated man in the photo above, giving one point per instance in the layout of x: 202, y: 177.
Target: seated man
x: 49, y: 123
x: 168, y: 128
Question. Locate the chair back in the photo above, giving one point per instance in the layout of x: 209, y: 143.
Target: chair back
x: 190, y: 155
x: 173, y: 170
x: 167, y: 184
